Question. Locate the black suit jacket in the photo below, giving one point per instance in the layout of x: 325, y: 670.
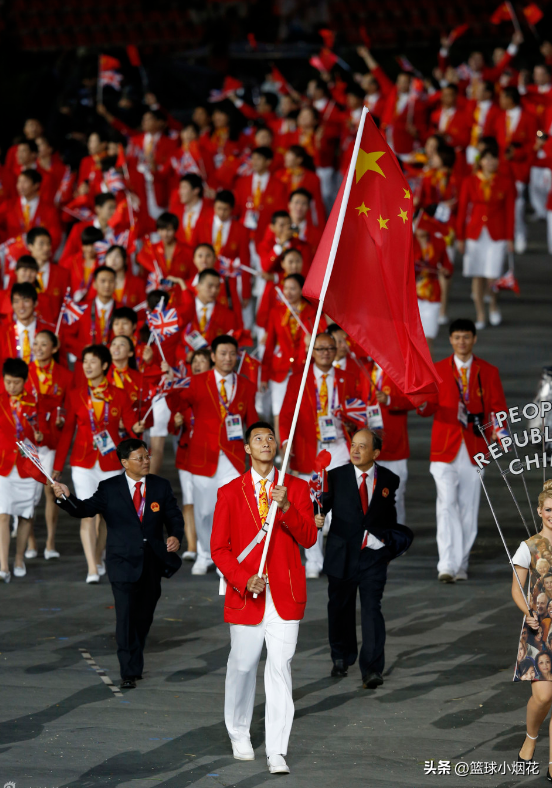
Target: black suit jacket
x: 124, y: 558
x: 343, y: 546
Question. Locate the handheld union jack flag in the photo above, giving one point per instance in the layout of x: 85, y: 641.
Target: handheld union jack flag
x: 101, y: 247
x: 71, y: 311
x: 155, y: 281
x: 111, y: 79
x: 354, y: 410
x: 506, y: 282
x: 163, y: 322
x: 114, y: 181
x: 315, y: 488
x: 228, y: 267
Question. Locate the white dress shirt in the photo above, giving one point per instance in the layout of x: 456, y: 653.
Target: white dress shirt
x: 193, y: 213
x: 373, y: 542
x: 330, y: 382
x: 467, y: 364
x: 200, y: 306
x: 20, y: 329
x: 105, y: 308
x: 33, y: 205
x: 225, y: 229
x: 514, y: 115
x: 228, y: 384
x: 445, y: 117
x: 132, y: 485
x: 259, y: 179
x: 257, y: 482
x: 341, y: 363
x: 45, y: 275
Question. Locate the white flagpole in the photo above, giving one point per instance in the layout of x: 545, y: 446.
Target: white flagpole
x: 325, y: 283
x: 289, y: 307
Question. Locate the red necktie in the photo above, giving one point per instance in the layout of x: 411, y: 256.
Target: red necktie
x: 137, y: 498
x: 363, y: 489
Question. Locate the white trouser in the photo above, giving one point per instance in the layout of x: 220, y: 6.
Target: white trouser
x: 241, y: 676
x: 205, y: 490
x: 540, y: 182
x: 549, y: 230
x: 400, y: 467
x: 340, y: 456
x: 458, y: 492
x: 520, y: 232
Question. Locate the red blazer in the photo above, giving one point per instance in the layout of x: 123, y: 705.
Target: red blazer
x: 209, y: 435
x: 270, y: 259
x: 131, y: 294
x: 132, y: 381
x: 9, y: 453
x: 90, y: 168
x: 73, y: 245
x: 84, y: 453
x: 457, y: 132
x: 58, y: 282
x: 181, y: 264
x: 274, y: 198
x: 403, y: 141
x: 488, y: 130
x: 305, y: 179
x: 493, y: 210
x: 448, y: 432
x: 235, y: 523
x: 395, y: 419
x: 46, y: 215
x: 305, y: 442
x: 85, y: 331
x: 9, y: 347
x: 284, y: 353
x: 237, y: 245
x: 522, y: 140
x: 205, y: 213
x: 223, y: 320
x: 53, y: 398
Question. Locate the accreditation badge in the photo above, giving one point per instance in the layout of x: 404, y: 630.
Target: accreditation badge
x: 375, y: 419
x: 328, y: 431
x: 103, y: 442
x: 234, y: 428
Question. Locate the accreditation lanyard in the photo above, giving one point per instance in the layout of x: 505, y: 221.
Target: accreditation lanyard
x: 334, y: 396
x: 92, y: 417
x: 226, y: 405
x: 459, y: 384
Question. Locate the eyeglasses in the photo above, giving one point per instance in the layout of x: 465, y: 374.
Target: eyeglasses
x: 142, y: 459
x: 325, y: 349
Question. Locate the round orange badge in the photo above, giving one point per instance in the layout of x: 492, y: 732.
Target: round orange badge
x: 385, y: 492
x: 155, y: 507
x: 114, y: 411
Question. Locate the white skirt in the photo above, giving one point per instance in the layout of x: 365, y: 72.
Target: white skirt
x: 161, y: 417
x: 484, y: 257
x: 429, y: 315
x: 86, y: 480
x: 17, y: 495
x: 47, y: 457
x: 187, y: 486
x: 277, y: 394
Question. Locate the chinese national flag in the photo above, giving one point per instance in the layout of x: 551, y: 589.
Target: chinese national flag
x: 372, y: 291
x: 502, y: 14
x: 532, y: 13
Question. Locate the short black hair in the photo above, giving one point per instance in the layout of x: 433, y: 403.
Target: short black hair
x: 207, y: 272
x: 91, y: 235
x: 26, y: 261
x: 16, y: 368
x: 101, y: 199
x: 154, y: 298
x: 125, y: 313
x: 332, y: 328
x: 304, y: 192
x: 462, y: 324
x: 271, y: 98
x: 223, y: 339
x: 101, y: 268
x: 209, y: 246
x: 37, y: 232
x: 51, y: 336
x: 447, y: 155
x: 203, y: 352
x: 513, y: 94
x: 31, y: 144
x: 126, y: 447
x: 288, y: 251
x: 25, y: 290
x: 299, y: 278
x: 194, y: 180
x: 100, y: 351
x: 121, y: 249
x: 258, y: 425
x: 264, y: 151
x: 157, y: 114
x: 225, y: 196
x: 377, y: 437
x: 167, y: 220
x: 279, y: 215
x: 33, y: 175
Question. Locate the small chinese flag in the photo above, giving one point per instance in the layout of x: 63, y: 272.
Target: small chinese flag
x: 502, y: 14
x: 108, y: 63
x: 532, y: 13
x: 133, y: 56
x: 457, y: 32
x: 372, y: 289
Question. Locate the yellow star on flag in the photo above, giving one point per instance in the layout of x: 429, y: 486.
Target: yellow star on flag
x: 362, y: 209
x: 368, y: 161
x: 406, y: 194
x: 383, y: 223
x: 403, y: 215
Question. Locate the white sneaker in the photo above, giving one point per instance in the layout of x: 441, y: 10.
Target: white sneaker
x: 92, y: 578
x: 50, y: 554
x: 443, y: 320
x: 480, y: 325
x: 446, y: 577
x: 495, y: 318
x: 461, y: 575
x: 5, y: 576
x: 312, y: 571
x: 202, y: 566
x: 101, y: 568
x: 31, y: 553
x: 243, y: 751
x: 19, y: 571
x: 189, y: 555
x: 277, y: 764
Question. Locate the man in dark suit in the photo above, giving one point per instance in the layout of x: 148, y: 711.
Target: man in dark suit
x: 363, y: 538
x: 135, y: 506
